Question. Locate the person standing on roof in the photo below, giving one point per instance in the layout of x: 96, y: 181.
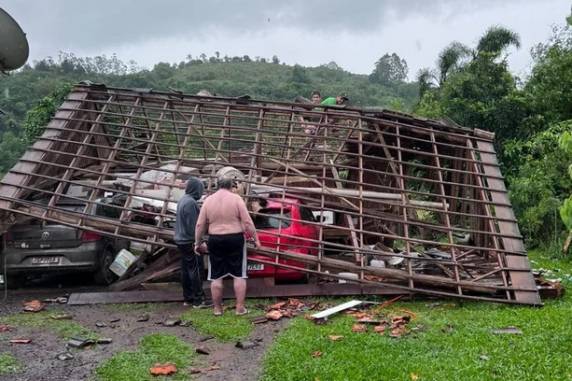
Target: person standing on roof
x: 340, y: 100
x: 191, y: 264
x: 225, y: 218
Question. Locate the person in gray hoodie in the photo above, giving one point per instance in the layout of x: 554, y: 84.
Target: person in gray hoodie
x: 191, y: 263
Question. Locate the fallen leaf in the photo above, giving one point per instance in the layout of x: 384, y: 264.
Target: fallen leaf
x: 34, y: 306
x: 316, y: 354
x: 163, y: 369
x: 335, y: 337
x: 414, y: 376
x: 202, y: 351
x: 359, y: 328
x: 274, y: 315
x: 379, y: 329
x: 20, y: 341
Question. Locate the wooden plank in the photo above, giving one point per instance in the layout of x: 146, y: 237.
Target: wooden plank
x: 74, y: 101
x: 519, y: 279
x: 255, y: 290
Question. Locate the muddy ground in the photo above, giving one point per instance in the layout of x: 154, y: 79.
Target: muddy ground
x: 40, y: 356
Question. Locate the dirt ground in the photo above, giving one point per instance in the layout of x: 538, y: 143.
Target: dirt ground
x: 40, y: 356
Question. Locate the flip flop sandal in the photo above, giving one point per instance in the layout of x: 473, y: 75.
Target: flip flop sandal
x: 217, y: 313
x: 244, y: 312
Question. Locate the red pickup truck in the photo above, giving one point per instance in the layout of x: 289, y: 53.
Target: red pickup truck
x: 292, y: 233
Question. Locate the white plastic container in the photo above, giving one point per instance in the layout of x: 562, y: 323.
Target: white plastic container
x: 122, y: 262
x: 377, y: 263
x: 347, y: 275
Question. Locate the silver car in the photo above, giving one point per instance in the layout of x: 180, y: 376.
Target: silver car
x: 38, y: 247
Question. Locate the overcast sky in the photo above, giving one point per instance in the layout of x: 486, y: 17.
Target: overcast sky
x: 353, y: 33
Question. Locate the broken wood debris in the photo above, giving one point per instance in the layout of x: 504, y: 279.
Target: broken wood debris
x: 163, y: 369
x: 33, y: 306
x: 20, y: 341
x: 413, y: 205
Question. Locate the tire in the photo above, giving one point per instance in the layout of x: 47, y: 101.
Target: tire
x: 15, y: 281
x: 104, y: 276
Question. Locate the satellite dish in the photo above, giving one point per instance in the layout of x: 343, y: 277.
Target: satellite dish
x: 14, y: 47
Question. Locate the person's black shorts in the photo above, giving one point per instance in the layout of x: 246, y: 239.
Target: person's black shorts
x: 227, y: 256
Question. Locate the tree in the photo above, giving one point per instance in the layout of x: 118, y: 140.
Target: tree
x: 389, y: 69
x: 497, y: 39
x: 450, y: 59
x: 275, y: 60
x: 299, y: 74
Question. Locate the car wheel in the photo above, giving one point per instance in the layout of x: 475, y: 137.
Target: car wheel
x: 16, y: 281
x: 104, y: 276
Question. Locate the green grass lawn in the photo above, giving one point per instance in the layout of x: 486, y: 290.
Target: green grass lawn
x: 9, y: 364
x: 227, y: 327
x: 453, y: 341
x: 63, y: 328
x: 153, y: 349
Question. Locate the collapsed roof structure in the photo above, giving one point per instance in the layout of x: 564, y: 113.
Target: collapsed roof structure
x: 424, y: 198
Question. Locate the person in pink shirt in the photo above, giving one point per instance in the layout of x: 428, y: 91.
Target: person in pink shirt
x: 225, y: 218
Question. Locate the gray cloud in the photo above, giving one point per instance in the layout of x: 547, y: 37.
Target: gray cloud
x: 112, y: 22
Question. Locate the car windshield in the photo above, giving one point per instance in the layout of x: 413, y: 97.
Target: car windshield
x: 272, y: 219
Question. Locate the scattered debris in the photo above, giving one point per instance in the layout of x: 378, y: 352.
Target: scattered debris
x: 34, y: 306
x: 104, y: 340
x: 316, y: 354
x: 335, y: 337
x: 205, y: 338
x: 20, y: 341
x: 115, y: 320
x: 448, y: 328
x: 549, y: 288
x: 64, y: 356
x: 202, y: 351
x: 414, y: 376
x: 143, y: 318
x: 274, y: 315
x: 172, y: 322
x: 5, y: 328
x: 360, y: 328
x: 508, y: 331
x: 76, y: 342
x: 246, y: 344
x: 62, y: 316
x: 323, y: 315
x: 484, y: 357
x: 195, y: 370
x: 100, y: 324
x: 259, y: 319
x: 277, y: 311
x: 163, y: 369
x: 58, y: 300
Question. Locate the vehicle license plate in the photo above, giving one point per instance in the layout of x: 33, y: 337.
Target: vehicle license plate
x: 255, y: 267
x: 45, y: 260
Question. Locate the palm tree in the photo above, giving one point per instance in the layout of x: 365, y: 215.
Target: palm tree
x: 450, y: 59
x: 496, y: 39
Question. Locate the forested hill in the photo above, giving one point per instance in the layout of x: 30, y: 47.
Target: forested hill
x: 235, y: 76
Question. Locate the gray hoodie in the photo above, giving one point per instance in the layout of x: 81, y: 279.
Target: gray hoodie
x: 188, y: 212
